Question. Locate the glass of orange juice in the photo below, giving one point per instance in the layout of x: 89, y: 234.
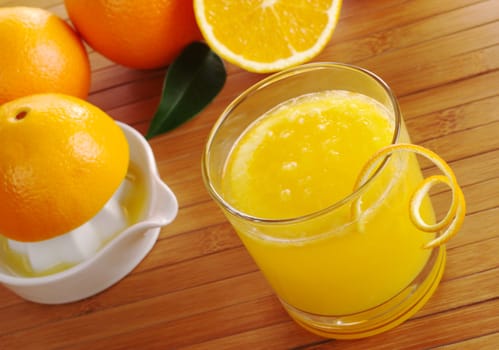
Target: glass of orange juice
x: 314, y: 169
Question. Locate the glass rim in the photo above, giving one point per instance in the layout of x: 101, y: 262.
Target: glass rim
x: 265, y: 83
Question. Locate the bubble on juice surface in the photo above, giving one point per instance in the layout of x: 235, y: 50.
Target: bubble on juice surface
x: 322, y: 126
x: 285, y: 194
x: 287, y: 166
x: 284, y: 134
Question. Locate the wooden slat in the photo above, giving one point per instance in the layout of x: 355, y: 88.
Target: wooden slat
x: 437, y: 72
x: 423, y: 334
x: 33, y: 3
x: 147, y: 312
x: 145, y: 286
x: 457, y: 118
x: 487, y: 342
x: 401, y: 14
x: 456, y: 93
x: 277, y: 336
x: 460, y: 292
x: 428, y: 28
x: 264, y: 311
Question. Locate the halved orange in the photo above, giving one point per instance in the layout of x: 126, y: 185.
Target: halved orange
x: 267, y: 35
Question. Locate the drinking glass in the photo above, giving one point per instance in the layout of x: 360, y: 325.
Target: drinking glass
x: 360, y: 265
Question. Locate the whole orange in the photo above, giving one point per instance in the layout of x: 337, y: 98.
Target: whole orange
x: 61, y: 160
x: 39, y: 52
x: 135, y: 33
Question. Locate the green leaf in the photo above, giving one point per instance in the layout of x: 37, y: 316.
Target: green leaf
x: 191, y: 83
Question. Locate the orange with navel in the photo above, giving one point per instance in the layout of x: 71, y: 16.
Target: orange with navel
x: 39, y: 53
x: 61, y: 160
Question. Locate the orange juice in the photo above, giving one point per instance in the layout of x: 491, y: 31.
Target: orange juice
x: 303, y: 157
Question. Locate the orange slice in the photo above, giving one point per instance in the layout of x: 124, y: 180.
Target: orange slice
x: 452, y: 222
x: 267, y: 35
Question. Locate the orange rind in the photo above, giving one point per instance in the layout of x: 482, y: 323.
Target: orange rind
x: 453, y: 220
